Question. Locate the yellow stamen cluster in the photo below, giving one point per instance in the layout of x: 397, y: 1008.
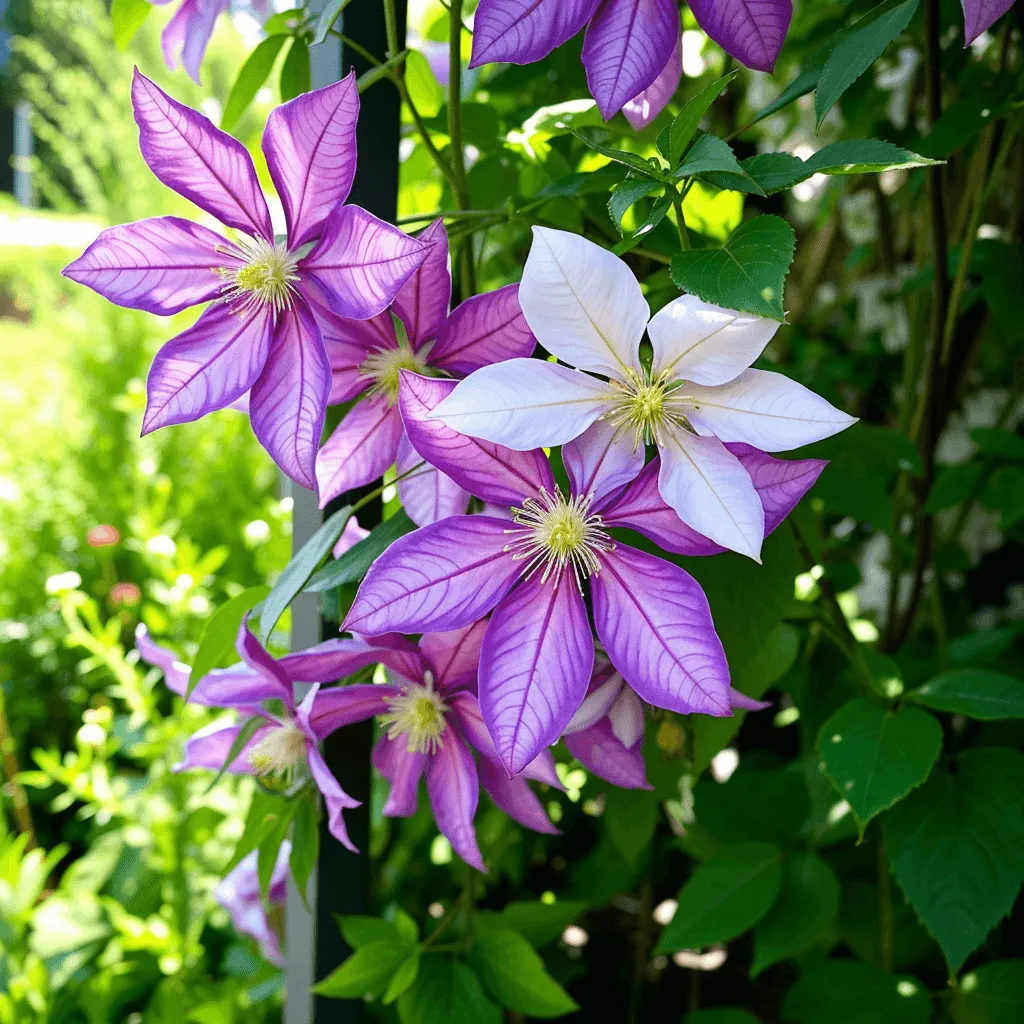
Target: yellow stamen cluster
x: 646, y: 406
x: 266, y: 276
x: 556, y: 532
x: 385, y: 365
x: 280, y: 755
x: 419, y: 714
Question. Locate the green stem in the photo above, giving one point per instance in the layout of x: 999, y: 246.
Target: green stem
x: 677, y: 203
x: 460, y: 186
x: 374, y: 494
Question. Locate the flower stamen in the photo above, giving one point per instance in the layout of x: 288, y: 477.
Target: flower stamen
x: 266, y: 276
x: 646, y: 406
x: 384, y: 368
x: 280, y: 756
x: 418, y: 713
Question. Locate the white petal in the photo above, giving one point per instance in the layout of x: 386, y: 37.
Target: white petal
x: 596, y: 704
x: 627, y: 718
x: 765, y: 409
x: 583, y: 303
x: 711, y: 492
x: 694, y: 340
x: 525, y: 404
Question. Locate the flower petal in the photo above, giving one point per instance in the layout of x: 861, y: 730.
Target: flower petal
x: 253, y: 653
x: 209, y: 748
x: 360, y: 262
x: 514, y: 797
x: 423, y: 302
x: 493, y: 473
x: 176, y: 672
x: 310, y: 145
x: 352, y: 535
x: 188, y: 34
x: 403, y: 769
x: 207, y: 367
x: 435, y: 579
x: 641, y: 110
x: 696, y: 341
x: 455, y: 655
x: 289, y: 400
x: 626, y: 716
x: 427, y: 494
x: 237, y: 687
x: 627, y: 45
x: 605, y: 686
x: 780, y: 484
x: 482, y: 330
x: 601, y: 460
x: 981, y: 15
x: 339, y: 706
x: 361, y: 449
x: 655, y: 624
x: 335, y: 798
x: 454, y: 792
x: 162, y: 265
x: 536, y: 661
x: 335, y: 659
x: 711, y: 492
x: 598, y: 750
x: 752, y: 31
x: 583, y: 303
x: 524, y: 31
x: 349, y: 344
x: 525, y: 404
x: 200, y: 162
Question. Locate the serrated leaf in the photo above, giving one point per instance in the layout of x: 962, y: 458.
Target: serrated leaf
x: 446, y: 992
x: 974, y: 692
x: 305, y: 844
x: 677, y: 136
x: 653, y: 219
x: 957, y: 848
x: 712, y: 158
x: 295, y: 72
x: 747, y: 274
x: 631, y: 160
x: 219, y: 634
x: 352, y: 565
x: 367, y: 972
x: 804, y: 83
x: 993, y: 994
x: 255, y: 71
x: 875, y: 757
x: 127, y: 17
x: 725, y: 896
x: 626, y: 195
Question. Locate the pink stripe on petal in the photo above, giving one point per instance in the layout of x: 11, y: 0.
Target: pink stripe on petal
x: 423, y: 302
x: 524, y: 31
x: 454, y: 792
x: 339, y: 706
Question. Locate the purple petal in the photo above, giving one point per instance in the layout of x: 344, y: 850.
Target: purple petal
x: 239, y: 894
x: 236, y: 687
x: 454, y: 791
x: 349, y: 344
x: 602, y: 692
x: 598, y: 749
x: 626, y: 716
x: 741, y: 700
x: 493, y: 473
x: 454, y: 656
x: 207, y: 367
x: 524, y: 31
x: 162, y: 265
x: 335, y: 659
x: 980, y: 15
x: 176, y: 672
x: 484, y: 329
x: 361, y: 263
x: 188, y: 34
x: 209, y: 748
x: 289, y: 400
x: 601, y: 460
x: 436, y: 579
x: 536, y: 661
x: 361, y: 449
x: 655, y: 623
x: 310, y: 145
x: 627, y: 45
x: 402, y: 769
x: 427, y: 494
x: 780, y: 484
x: 352, y: 535
x: 752, y: 31
x: 641, y: 110
x: 198, y: 161
x: 339, y: 706
x: 335, y: 798
x: 514, y: 797
x: 423, y: 302
x: 253, y: 653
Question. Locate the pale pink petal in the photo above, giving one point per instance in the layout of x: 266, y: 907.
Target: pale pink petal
x: 427, y: 494
x: 603, y: 691
x: 188, y: 34
x: 352, y: 535
x: 641, y: 110
x: 454, y: 792
x: 626, y: 716
x: 598, y: 750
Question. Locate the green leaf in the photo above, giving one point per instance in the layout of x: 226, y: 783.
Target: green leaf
x: 423, y: 87
x: 631, y: 816
x: 540, y: 923
x: 957, y: 848
x: 626, y: 194
x: 446, y: 992
x: 713, y: 158
x: 631, y: 160
x: 722, y: 1015
x: 359, y: 930
x: 352, y: 565
x: 1003, y: 444
x: 300, y: 568
x: 674, y: 140
x: 367, y: 972
x: 515, y: 975
x: 850, y: 992
x: 218, y: 642
x: 295, y: 73
x: 255, y: 71
x: 270, y: 845
x: 305, y: 844
x: 402, y: 978
x: 988, y: 696
x: 654, y: 218
x: 806, y: 907
x: 804, y: 83
x: 408, y: 930
x: 246, y: 731
x: 993, y: 994
x: 767, y: 805
x: 954, y: 485
x: 875, y: 757
x: 127, y: 17
x: 328, y: 16
x: 859, y: 49
x: 748, y: 273
x: 265, y: 813
x: 1004, y: 493
x: 728, y: 894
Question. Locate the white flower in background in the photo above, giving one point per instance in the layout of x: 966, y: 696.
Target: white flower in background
x: 586, y: 308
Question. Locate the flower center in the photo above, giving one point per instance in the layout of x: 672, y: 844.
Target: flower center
x: 646, y: 405
x: 266, y: 277
x: 556, y: 532
x: 385, y: 365
x: 280, y: 755
x: 417, y: 713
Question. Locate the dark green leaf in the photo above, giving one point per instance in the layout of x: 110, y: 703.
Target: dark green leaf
x: 804, y: 83
x: 1004, y: 493
x: 631, y: 160
x: 328, y: 16
x: 713, y: 158
x: 446, y: 992
x: 359, y: 930
x: 631, y: 817
x: 626, y: 195
x: 766, y: 805
x: 367, y: 972
x: 850, y: 992
x: 352, y: 565
x: 674, y: 140
x: 722, y: 1015
x: 305, y: 844
x: 300, y: 568
x: 1001, y: 443
x: 957, y: 848
x: 875, y: 757
x: 295, y: 73
x: 218, y: 643
x: 255, y: 71
x: 540, y: 923
x: 725, y: 896
x: 748, y: 273
x: 954, y: 485
x: 653, y: 219
x: 127, y: 17
x: 973, y: 692
x: 993, y: 994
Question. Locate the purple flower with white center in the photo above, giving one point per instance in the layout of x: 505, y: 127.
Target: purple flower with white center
x: 240, y: 895
x: 981, y: 15
x: 630, y: 44
x: 261, y: 332
x: 697, y: 396
x: 367, y: 356
x: 530, y: 568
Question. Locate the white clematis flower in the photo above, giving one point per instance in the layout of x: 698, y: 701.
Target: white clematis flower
x: 586, y: 308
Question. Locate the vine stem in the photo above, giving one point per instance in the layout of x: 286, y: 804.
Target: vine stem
x: 460, y: 186
x: 677, y: 204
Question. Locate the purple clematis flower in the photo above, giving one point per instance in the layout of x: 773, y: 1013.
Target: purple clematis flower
x: 586, y: 307
x: 630, y: 44
x: 981, y: 15
x: 538, y: 653
x: 261, y: 332
x: 239, y: 894
x: 367, y: 357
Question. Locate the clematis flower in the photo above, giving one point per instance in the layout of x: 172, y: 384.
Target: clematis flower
x: 586, y: 307
x: 367, y: 357
x: 240, y: 895
x: 530, y: 565
x: 981, y: 15
x: 261, y: 330
x: 630, y: 44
